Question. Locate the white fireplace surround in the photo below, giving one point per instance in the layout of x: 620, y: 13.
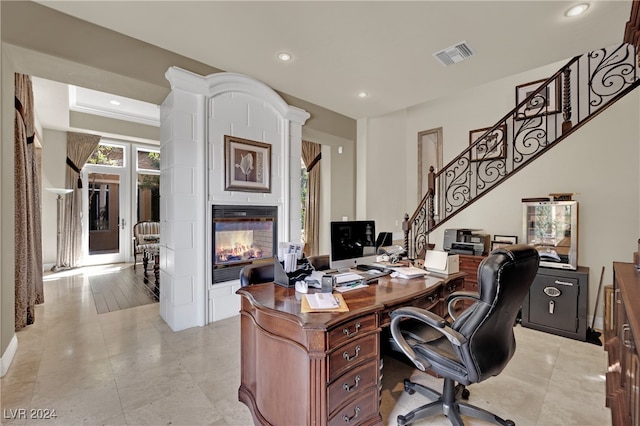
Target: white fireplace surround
x: 194, y: 118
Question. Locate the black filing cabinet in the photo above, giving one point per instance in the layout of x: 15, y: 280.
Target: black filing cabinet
x: 557, y: 302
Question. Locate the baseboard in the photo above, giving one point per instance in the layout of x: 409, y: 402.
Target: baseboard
x: 7, y: 356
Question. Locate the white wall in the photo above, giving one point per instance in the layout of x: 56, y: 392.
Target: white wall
x: 54, y: 154
x: 599, y: 162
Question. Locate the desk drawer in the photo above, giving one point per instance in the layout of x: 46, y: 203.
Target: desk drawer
x: 430, y: 302
x: 351, y: 330
x: 352, y: 383
x: 355, y: 412
x: 353, y: 353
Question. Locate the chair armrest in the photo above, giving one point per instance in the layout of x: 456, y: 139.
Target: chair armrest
x: 460, y: 295
x: 428, y: 318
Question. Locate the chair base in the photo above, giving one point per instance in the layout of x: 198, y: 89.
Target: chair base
x: 447, y: 403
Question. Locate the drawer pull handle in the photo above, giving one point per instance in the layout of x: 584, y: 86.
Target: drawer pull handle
x: 348, y: 419
x: 563, y: 283
x: 349, y: 334
x: 348, y: 388
x: 626, y: 342
x: 346, y: 356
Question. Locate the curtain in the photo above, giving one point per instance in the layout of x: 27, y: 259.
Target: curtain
x: 28, y: 228
x: 80, y: 146
x: 311, y: 156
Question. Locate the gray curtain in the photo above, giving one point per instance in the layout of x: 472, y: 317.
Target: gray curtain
x: 311, y: 156
x: 28, y: 227
x: 80, y: 146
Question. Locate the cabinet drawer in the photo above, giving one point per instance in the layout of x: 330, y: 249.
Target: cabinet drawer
x: 351, y: 330
x: 351, y: 383
x: 352, y: 354
x: 469, y: 265
x: 362, y: 408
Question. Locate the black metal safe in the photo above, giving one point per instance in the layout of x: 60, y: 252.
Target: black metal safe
x: 557, y: 302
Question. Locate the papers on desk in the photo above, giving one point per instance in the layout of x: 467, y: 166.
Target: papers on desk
x: 408, y: 272
x: 345, y: 288
x: 323, y: 302
x: 347, y: 277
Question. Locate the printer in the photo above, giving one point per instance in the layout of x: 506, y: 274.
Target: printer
x: 466, y: 241
x: 474, y: 249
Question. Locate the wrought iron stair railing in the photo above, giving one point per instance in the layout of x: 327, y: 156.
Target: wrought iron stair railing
x: 580, y: 90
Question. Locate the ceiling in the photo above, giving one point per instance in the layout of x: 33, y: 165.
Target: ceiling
x: 384, y: 48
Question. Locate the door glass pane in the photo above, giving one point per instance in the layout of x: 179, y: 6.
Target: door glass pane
x: 104, y: 213
x: 148, y: 160
x: 108, y: 155
x: 148, y: 197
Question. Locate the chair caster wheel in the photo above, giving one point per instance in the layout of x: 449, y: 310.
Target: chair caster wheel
x: 510, y: 422
x: 407, y: 387
x: 402, y: 420
x: 465, y: 394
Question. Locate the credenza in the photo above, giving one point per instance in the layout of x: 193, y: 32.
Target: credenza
x: 469, y: 265
x: 323, y: 368
x: 623, y: 374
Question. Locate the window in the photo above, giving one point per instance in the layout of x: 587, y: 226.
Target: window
x: 148, y: 187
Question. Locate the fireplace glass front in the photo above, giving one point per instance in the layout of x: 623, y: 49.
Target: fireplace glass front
x: 241, y: 235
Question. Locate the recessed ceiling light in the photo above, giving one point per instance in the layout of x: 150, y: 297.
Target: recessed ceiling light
x: 114, y: 102
x: 284, y: 56
x: 363, y: 94
x: 577, y: 10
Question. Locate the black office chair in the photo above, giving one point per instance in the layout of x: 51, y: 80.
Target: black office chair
x: 256, y: 273
x: 477, y: 345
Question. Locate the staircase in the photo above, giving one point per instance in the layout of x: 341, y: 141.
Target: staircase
x: 548, y: 113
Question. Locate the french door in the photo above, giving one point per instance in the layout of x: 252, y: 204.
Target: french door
x: 105, y: 214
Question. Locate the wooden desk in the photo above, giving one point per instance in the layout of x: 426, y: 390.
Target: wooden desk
x: 322, y: 368
x: 623, y: 376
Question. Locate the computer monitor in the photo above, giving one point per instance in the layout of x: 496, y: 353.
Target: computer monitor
x: 352, y: 243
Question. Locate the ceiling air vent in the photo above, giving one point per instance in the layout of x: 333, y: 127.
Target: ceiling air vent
x: 454, y: 54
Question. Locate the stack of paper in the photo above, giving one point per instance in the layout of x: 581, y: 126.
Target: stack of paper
x: 322, y: 301
x: 408, y: 272
x: 348, y: 277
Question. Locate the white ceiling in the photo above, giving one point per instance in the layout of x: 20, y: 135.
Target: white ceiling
x: 382, y: 47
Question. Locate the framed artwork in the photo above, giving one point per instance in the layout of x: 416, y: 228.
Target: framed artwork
x: 546, y: 101
x: 503, y: 240
x: 247, y: 165
x: 491, y: 146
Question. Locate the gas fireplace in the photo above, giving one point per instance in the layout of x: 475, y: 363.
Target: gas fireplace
x: 241, y: 235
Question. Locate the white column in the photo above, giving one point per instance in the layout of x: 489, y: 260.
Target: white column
x: 182, y: 203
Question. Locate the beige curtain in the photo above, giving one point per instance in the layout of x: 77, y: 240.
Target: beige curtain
x: 80, y: 146
x: 311, y: 156
x: 28, y: 227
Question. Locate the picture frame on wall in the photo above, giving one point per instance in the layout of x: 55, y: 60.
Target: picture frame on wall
x: 491, y: 146
x: 547, y: 101
x: 247, y: 165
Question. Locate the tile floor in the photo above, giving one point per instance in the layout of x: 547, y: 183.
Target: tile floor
x: 128, y: 368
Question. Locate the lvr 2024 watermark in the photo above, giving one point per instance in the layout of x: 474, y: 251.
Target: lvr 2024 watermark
x: 31, y: 414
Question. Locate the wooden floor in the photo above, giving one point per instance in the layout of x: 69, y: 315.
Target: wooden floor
x: 125, y: 289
